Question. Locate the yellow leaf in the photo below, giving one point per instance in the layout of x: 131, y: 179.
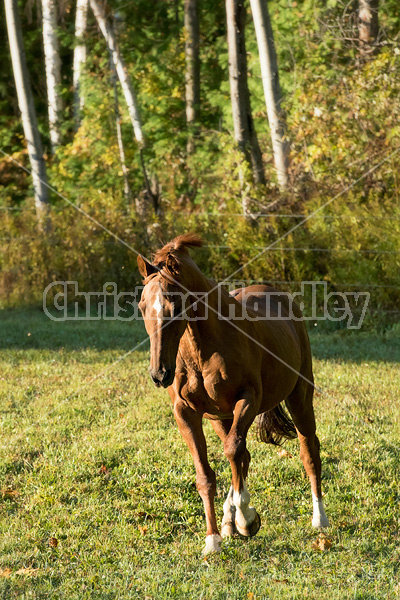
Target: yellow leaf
x: 9, y: 493
x: 28, y: 571
x: 5, y: 572
x: 322, y: 543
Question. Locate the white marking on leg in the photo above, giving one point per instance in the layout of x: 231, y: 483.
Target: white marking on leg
x: 213, y: 544
x: 228, y: 521
x: 319, y: 516
x: 158, y: 308
x: 245, y: 514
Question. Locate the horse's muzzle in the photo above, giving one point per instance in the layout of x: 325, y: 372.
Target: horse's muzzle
x: 163, y: 377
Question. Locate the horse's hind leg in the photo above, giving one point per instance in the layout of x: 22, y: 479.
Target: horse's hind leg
x: 300, y: 405
x: 228, y: 528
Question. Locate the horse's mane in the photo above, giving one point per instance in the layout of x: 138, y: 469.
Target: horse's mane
x: 182, y: 242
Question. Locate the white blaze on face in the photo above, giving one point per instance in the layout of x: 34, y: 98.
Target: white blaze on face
x: 158, y: 308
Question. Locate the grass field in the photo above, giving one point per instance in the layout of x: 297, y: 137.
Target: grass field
x: 97, y: 487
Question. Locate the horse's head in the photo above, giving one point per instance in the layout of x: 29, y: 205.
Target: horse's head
x: 163, y: 302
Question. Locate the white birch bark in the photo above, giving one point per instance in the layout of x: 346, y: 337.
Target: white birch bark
x: 124, y: 168
x: 368, y: 24
x: 270, y: 79
x: 244, y: 131
x: 27, y: 108
x: 120, y: 67
x: 192, y: 75
x: 53, y: 70
x: 235, y: 67
x: 79, y: 56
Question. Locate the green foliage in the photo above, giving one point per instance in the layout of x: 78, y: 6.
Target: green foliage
x: 342, y: 120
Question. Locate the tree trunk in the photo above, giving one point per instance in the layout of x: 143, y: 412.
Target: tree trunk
x: 79, y: 56
x: 130, y: 97
x: 27, y: 108
x: 53, y: 70
x: 192, y: 76
x: 272, y: 93
x: 124, y: 168
x: 243, y: 124
x: 368, y: 24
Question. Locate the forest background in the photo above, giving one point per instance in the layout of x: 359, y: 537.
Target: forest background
x: 340, y: 117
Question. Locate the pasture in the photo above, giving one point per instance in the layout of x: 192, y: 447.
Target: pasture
x: 97, y: 487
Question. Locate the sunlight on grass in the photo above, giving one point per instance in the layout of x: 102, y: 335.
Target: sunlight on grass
x: 97, y: 492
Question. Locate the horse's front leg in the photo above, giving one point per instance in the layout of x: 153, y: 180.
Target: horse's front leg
x: 191, y: 427
x: 228, y: 527
x: 246, y: 518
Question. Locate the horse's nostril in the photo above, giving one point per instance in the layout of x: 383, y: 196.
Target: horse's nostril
x: 162, y: 377
x: 167, y: 376
x: 155, y: 379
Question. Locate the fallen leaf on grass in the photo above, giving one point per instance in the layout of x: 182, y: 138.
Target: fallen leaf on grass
x: 5, y: 572
x: 143, y: 530
x: 284, y: 454
x: 53, y: 542
x: 9, y: 493
x: 28, y: 571
x: 322, y: 543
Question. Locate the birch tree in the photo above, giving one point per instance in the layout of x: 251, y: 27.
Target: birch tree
x: 368, y: 23
x: 53, y: 70
x: 192, y: 75
x: 123, y: 76
x: 27, y: 108
x: 79, y: 56
x: 272, y: 92
x: 124, y: 168
x: 244, y: 131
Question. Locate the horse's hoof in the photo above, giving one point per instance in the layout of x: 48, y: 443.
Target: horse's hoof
x: 228, y: 529
x: 213, y: 544
x: 320, y: 521
x: 251, y: 529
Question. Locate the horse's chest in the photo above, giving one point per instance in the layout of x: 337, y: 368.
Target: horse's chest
x: 211, y: 394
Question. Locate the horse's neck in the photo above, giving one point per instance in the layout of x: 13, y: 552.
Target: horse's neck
x: 205, y: 331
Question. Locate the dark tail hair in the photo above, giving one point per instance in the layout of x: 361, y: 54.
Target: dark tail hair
x: 274, y: 426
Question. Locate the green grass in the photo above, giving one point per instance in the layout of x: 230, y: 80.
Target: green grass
x: 100, y: 466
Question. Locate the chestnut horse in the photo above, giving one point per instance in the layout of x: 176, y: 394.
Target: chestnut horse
x: 229, y: 370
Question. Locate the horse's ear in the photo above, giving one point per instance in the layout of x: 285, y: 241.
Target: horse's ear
x: 145, y: 268
x: 172, y: 265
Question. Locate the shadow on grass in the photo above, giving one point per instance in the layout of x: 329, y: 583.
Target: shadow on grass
x: 30, y: 328
x: 27, y: 329
x: 357, y: 346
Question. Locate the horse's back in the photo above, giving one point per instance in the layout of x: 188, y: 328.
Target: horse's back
x: 267, y: 301
x: 280, y: 321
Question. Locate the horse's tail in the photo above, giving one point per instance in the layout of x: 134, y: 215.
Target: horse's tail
x: 275, y: 425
